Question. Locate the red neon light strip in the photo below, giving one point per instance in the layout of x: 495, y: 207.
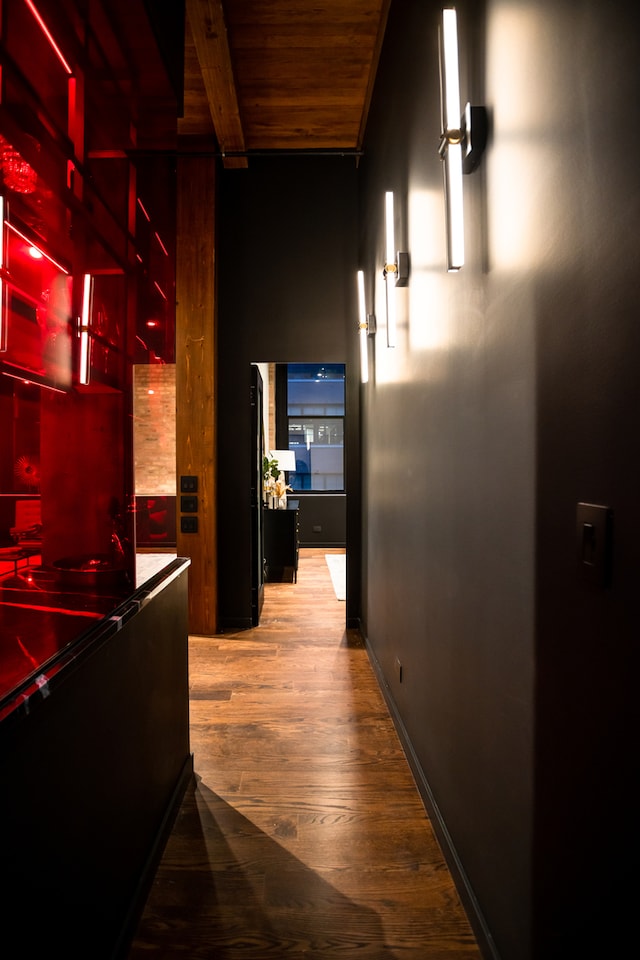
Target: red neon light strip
x: 164, y: 249
x: 25, y: 378
x: 141, y: 205
x: 159, y: 289
x: 75, y: 613
x: 54, y: 46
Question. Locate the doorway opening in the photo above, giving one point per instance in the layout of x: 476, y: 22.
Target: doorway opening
x: 303, y: 415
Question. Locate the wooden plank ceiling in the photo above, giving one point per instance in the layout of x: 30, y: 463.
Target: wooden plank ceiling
x: 279, y: 75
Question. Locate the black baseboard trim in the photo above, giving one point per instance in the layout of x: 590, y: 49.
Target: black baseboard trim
x: 316, y: 545
x: 465, y: 891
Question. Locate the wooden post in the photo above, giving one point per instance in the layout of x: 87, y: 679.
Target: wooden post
x: 196, y: 384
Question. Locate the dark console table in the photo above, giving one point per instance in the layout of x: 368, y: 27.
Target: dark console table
x: 281, y: 543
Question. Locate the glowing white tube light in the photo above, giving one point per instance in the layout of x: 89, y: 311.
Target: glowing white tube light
x: 363, y: 330
x: 389, y: 231
x: 451, y: 147
x: 451, y: 98
x: 390, y: 270
x: 455, y: 207
x: 85, y: 320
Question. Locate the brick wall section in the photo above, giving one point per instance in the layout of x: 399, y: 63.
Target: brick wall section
x: 154, y: 411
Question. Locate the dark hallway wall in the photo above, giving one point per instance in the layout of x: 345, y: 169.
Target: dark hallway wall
x: 512, y: 394
x: 287, y: 293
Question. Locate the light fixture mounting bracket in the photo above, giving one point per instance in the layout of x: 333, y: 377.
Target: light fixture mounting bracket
x: 474, y: 136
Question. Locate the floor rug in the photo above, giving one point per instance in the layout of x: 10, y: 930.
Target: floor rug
x: 337, y: 563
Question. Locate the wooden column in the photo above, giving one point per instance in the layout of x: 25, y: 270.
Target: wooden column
x: 196, y: 383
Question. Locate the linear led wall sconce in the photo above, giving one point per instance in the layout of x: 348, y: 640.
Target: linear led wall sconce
x: 84, y: 322
x: 366, y: 328
x: 462, y: 139
x: 395, y: 270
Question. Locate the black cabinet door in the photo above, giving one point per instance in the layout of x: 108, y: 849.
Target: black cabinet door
x: 281, y: 545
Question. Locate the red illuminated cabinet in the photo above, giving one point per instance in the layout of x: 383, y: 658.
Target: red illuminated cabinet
x: 87, y: 286
x: 88, y: 126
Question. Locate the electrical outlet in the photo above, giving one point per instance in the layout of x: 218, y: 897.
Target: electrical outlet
x: 188, y: 524
x: 189, y: 504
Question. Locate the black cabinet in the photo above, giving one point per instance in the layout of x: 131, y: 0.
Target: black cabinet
x: 281, y: 543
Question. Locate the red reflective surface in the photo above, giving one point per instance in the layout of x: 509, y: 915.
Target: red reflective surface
x: 38, y: 619
x: 87, y: 290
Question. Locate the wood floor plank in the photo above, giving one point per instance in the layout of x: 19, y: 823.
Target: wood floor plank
x: 302, y: 834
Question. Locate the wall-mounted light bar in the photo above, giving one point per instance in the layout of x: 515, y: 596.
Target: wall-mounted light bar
x: 363, y: 330
x: 395, y: 270
x: 462, y: 138
x: 389, y: 230
x: 84, y: 370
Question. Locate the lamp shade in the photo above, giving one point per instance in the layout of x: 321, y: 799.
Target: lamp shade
x: 286, y: 459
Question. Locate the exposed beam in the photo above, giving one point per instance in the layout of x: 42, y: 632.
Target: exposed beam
x: 206, y: 19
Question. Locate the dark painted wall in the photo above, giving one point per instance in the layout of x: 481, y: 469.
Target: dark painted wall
x: 512, y: 394
x: 323, y: 520
x: 287, y: 293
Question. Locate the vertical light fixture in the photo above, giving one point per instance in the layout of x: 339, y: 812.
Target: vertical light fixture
x: 389, y: 268
x: 459, y: 153
x: 450, y: 143
x: 396, y: 268
x: 3, y: 319
x: 83, y: 327
x: 363, y: 330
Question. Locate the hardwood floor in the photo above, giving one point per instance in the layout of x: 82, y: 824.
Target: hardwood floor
x: 303, y: 834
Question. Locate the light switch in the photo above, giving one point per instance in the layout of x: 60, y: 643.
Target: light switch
x: 594, y: 533
x: 188, y: 484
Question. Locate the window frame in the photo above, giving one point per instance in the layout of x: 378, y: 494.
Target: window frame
x: 283, y: 418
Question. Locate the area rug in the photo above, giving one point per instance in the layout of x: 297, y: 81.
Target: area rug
x: 337, y: 563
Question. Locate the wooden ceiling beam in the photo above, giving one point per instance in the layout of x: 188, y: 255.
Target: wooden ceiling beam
x: 209, y: 30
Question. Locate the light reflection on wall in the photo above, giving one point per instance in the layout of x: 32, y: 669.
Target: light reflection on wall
x: 525, y: 158
x: 428, y: 317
